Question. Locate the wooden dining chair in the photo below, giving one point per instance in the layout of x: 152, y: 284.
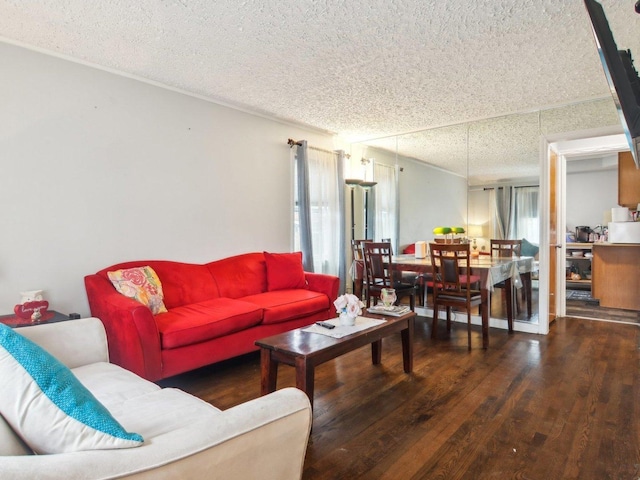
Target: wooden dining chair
x: 379, y: 273
x: 424, y: 285
x: 425, y: 280
x: 357, y: 273
x: 450, y: 266
x: 412, y: 278
x: 506, y: 249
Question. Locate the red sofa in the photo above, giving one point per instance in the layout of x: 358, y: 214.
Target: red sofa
x: 215, y: 311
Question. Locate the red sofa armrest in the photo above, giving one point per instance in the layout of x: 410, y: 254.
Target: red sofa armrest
x: 132, y: 333
x: 327, y: 284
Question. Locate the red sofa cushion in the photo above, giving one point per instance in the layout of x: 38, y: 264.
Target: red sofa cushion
x: 240, y: 276
x: 284, y: 305
x: 203, y: 321
x: 284, y: 271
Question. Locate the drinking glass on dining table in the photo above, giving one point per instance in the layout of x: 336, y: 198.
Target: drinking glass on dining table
x: 388, y: 297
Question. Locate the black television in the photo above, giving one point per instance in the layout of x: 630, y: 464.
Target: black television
x: 621, y: 75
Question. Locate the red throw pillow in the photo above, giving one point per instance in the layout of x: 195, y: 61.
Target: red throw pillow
x: 410, y: 249
x: 284, y: 271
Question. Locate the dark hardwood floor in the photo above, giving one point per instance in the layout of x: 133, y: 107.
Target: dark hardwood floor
x: 561, y: 406
x: 592, y: 309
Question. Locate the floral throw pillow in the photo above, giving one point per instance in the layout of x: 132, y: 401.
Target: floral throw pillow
x: 141, y: 284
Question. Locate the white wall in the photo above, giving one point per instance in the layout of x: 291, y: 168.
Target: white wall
x: 97, y: 169
x: 480, y: 214
x: 429, y: 198
x: 590, y: 197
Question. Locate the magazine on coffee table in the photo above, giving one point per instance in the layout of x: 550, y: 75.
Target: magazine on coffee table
x: 362, y: 323
x: 393, y: 310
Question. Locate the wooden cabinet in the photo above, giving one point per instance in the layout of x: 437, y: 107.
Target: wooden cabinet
x: 616, y: 275
x: 579, y: 263
x: 628, y: 181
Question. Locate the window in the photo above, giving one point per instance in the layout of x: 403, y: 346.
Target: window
x: 515, y: 213
x: 386, y: 203
x: 526, y: 222
x: 319, y: 226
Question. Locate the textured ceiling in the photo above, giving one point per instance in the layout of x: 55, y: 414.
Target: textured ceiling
x: 362, y: 70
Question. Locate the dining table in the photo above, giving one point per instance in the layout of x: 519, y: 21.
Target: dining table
x: 514, y: 272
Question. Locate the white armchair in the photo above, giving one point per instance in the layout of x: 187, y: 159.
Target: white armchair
x: 185, y: 437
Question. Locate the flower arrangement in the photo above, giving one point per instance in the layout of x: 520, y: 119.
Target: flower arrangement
x: 349, y: 304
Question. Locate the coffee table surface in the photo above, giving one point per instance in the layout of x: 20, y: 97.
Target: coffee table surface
x: 299, y: 342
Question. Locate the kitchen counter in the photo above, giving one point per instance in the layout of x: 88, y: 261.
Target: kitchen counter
x: 606, y: 244
x: 616, y: 275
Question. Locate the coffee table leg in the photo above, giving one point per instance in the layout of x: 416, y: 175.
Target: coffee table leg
x: 407, y: 346
x: 305, y: 374
x: 268, y: 372
x: 376, y: 352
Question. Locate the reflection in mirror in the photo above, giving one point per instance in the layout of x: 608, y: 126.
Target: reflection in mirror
x: 428, y: 195
x: 375, y: 205
x: 431, y: 196
x: 445, y: 175
x: 502, y: 149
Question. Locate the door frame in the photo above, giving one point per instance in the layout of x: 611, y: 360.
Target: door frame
x: 544, y: 285
x: 549, y: 145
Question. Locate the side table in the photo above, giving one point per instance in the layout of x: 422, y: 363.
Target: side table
x: 50, y: 316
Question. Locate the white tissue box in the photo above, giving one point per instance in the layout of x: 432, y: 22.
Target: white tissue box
x: 421, y: 249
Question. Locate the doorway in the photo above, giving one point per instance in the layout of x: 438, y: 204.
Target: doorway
x: 587, y: 190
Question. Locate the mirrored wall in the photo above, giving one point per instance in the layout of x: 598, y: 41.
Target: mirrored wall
x: 445, y: 175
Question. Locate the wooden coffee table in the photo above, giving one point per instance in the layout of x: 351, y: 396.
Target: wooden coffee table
x: 306, y: 350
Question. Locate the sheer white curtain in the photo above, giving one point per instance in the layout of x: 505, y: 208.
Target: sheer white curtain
x: 385, y: 203
x: 320, y: 184
x: 502, y: 212
x: 514, y: 213
x: 526, y: 220
x: 497, y: 231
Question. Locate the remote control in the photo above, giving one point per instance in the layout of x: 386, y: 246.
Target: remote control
x: 326, y: 325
